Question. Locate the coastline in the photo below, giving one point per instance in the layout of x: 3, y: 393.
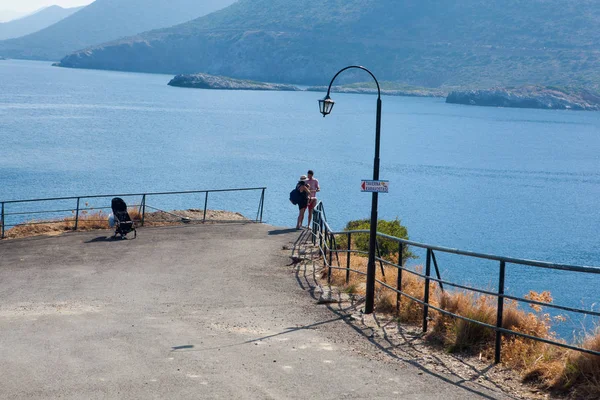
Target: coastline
x: 538, y: 97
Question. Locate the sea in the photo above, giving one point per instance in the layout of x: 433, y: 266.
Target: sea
x: 520, y: 183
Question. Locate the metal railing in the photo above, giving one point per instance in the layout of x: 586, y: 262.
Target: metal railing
x: 325, y: 239
x: 20, y: 216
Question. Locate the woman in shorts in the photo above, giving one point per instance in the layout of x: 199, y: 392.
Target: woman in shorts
x: 304, y: 190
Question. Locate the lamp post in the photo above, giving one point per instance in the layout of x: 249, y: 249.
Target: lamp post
x: 325, y: 106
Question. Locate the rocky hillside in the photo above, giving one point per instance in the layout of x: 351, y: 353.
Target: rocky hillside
x: 35, y: 22
x: 366, y: 88
x: 431, y: 43
x: 529, y: 97
x: 105, y: 20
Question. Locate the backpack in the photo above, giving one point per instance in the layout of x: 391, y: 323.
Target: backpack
x: 295, y: 196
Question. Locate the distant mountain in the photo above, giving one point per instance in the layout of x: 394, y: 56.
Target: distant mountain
x: 432, y: 43
x: 105, y: 20
x: 9, y: 15
x: 34, y: 22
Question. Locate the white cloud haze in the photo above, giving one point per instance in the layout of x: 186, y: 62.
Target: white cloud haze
x: 26, y: 6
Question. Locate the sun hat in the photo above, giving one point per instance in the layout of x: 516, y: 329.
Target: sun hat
x: 303, y: 178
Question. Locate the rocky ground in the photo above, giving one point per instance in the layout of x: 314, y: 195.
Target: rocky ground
x: 192, y: 216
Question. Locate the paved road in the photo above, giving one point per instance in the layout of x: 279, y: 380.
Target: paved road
x: 182, y: 312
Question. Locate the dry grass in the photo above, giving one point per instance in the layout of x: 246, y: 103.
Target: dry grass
x: 385, y: 301
x: 92, y: 220
x: 582, y: 371
x: 549, y: 367
x: 569, y: 372
x: 87, y: 221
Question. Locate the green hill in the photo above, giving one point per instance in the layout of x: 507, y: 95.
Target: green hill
x: 432, y: 43
x: 105, y: 20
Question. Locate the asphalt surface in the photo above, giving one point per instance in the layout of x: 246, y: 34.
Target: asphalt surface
x: 187, y: 312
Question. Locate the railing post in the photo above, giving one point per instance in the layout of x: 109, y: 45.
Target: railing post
x: 437, y: 270
x: 143, y: 208
x: 330, y: 257
x: 325, y: 243
x: 348, y: 258
x: 399, y: 277
x: 426, y: 295
x: 500, y: 312
x: 321, y: 231
x: 316, y: 224
x: 2, y: 222
x: 77, y: 214
x: 262, y: 204
x: 205, y: 206
x: 379, y: 256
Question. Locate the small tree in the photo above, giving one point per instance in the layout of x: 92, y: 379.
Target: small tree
x: 387, y: 247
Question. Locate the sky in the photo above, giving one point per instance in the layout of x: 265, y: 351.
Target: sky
x: 26, y: 6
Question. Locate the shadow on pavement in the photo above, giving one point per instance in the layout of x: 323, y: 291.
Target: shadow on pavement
x: 308, y: 275
x: 281, y: 231
x: 100, y: 239
x: 191, y: 347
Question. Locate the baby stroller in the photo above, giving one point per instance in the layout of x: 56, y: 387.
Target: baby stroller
x: 123, y: 222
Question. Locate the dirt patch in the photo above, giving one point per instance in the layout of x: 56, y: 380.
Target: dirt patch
x: 191, y: 216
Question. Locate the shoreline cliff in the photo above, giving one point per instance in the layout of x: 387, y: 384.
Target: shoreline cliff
x: 206, y: 81
x: 547, y: 98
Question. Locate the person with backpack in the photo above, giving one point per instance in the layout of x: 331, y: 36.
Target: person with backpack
x: 301, y: 196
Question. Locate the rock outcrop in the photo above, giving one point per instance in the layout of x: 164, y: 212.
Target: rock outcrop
x: 421, y: 92
x: 529, y: 97
x: 206, y: 81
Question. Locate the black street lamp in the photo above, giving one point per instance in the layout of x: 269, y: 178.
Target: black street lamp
x: 325, y: 106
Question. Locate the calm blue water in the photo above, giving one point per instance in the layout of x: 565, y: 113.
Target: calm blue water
x: 520, y: 183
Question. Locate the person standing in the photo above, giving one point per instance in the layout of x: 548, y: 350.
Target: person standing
x: 304, y: 189
x: 313, y: 183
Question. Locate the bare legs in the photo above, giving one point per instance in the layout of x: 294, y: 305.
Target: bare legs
x: 311, y: 207
x: 300, y: 218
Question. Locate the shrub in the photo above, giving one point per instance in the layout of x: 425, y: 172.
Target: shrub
x: 388, y: 249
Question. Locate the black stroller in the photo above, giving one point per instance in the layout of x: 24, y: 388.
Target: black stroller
x: 123, y: 222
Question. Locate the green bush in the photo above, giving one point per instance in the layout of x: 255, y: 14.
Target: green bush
x: 387, y: 247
